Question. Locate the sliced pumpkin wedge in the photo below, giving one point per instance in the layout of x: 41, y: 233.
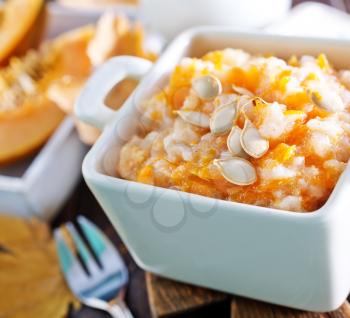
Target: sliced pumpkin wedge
x: 19, y: 34
x: 24, y: 130
x: 70, y: 53
x: 27, y: 116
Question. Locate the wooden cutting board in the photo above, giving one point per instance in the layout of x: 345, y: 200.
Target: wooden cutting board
x: 168, y: 298
x: 247, y: 308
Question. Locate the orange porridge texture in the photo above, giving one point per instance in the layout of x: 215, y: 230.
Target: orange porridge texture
x: 297, y: 146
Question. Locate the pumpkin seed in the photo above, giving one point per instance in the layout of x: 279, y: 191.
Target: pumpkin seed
x: 252, y: 142
x: 207, y: 87
x: 223, y: 118
x: 237, y: 170
x: 234, y: 142
x: 195, y: 118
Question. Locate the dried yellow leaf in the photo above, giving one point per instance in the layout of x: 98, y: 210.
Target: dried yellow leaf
x: 30, y: 277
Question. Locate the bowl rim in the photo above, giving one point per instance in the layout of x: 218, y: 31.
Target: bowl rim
x: 90, y: 163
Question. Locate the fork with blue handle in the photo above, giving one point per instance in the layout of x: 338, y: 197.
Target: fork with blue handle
x: 97, y: 280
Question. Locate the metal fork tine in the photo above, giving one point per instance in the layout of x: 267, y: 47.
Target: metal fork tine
x: 68, y: 261
x: 102, y: 247
x: 84, y: 252
x: 98, y: 241
x: 109, y: 257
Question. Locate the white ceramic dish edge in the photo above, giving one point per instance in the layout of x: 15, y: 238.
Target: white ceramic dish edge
x: 48, y: 180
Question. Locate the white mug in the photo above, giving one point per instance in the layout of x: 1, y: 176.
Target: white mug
x: 170, y: 17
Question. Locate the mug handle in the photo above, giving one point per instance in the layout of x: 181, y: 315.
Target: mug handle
x: 90, y: 106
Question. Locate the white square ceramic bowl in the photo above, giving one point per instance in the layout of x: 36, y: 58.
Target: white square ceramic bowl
x: 293, y: 259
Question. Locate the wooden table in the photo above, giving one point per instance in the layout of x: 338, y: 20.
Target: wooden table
x: 162, y: 292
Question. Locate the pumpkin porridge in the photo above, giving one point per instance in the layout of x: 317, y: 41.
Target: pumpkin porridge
x: 246, y: 128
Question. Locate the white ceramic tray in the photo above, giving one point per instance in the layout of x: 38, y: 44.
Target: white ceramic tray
x: 39, y: 186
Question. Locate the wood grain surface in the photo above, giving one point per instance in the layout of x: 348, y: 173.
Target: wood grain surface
x: 173, y: 299
x: 247, y: 308
x: 168, y: 298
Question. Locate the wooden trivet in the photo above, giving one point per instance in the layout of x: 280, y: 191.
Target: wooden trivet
x: 169, y: 298
x: 248, y: 308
